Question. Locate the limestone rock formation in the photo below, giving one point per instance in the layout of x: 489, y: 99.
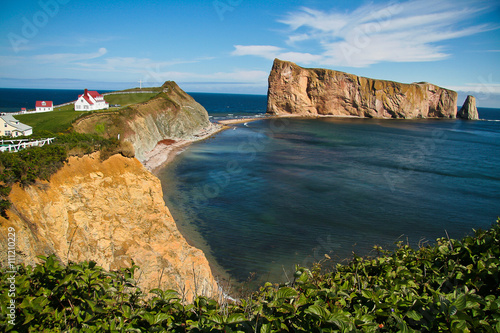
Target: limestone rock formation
x: 294, y: 90
x: 469, y: 109
x: 111, y: 212
x: 172, y: 114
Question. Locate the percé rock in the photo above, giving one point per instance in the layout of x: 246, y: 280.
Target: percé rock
x: 469, y: 109
x: 294, y: 90
x: 172, y: 114
x: 110, y: 212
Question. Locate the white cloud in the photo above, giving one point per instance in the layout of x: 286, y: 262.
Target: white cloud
x: 478, y: 88
x: 63, y: 58
x: 271, y: 52
x: 409, y: 31
x: 238, y: 76
x: 265, y: 51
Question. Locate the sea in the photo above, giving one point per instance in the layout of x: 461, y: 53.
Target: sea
x: 265, y: 196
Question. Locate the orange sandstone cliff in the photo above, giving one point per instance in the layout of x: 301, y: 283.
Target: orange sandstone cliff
x: 111, y: 212
x: 294, y: 90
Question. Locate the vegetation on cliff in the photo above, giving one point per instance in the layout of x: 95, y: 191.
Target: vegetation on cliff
x: 60, y: 120
x: 450, y: 286
x: 28, y: 165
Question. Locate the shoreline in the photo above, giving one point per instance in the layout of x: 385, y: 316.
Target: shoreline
x: 165, y: 152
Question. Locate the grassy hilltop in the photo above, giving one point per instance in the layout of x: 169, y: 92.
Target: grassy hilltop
x: 61, y: 118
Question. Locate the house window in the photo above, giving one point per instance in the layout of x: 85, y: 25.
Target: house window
x: 7, y: 133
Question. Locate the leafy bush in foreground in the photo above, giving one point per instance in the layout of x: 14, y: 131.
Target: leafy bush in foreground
x: 451, y: 286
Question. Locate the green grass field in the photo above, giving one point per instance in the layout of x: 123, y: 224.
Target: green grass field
x: 55, y: 121
x: 60, y: 119
x: 128, y: 99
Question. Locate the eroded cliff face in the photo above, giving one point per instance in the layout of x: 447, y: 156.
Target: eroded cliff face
x: 172, y: 114
x: 294, y: 90
x: 111, y: 212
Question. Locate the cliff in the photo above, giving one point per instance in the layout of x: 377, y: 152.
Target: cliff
x: 469, y: 109
x: 294, y: 90
x: 111, y: 212
x: 172, y: 114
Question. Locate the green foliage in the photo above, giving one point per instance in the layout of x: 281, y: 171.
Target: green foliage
x: 28, y: 165
x: 451, y: 286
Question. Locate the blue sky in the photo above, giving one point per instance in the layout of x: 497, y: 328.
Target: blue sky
x: 229, y: 45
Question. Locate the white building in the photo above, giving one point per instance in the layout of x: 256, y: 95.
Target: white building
x: 89, y: 101
x: 43, y: 106
x: 10, y: 126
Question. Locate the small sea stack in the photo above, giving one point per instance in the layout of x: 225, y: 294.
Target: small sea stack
x: 469, y: 109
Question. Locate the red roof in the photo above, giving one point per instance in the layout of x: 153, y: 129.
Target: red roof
x: 87, y: 93
x: 43, y: 104
x: 86, y: 97
x: 94, y: 94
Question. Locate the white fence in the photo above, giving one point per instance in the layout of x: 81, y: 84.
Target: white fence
x: 16, y: 145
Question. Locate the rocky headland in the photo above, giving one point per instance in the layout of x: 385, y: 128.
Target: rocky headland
x: 172, y: 114
x: 294, y: 90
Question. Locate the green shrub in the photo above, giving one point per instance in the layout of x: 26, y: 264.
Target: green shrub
x: 452, y: 286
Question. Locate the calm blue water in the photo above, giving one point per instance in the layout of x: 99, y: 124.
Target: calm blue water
x: 274, y: 193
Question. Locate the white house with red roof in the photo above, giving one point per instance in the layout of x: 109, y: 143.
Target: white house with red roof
x: 90, y: 101
x: 44, y: 106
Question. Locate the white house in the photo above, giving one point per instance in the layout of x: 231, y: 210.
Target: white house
x: 10, y: 126
x: 42, y: 106
x: 89, y: 101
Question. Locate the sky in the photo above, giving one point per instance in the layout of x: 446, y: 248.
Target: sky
x: 228, y: 46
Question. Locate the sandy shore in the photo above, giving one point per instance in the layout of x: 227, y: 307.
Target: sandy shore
x: 166, y: 150
x: 241, y: 120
